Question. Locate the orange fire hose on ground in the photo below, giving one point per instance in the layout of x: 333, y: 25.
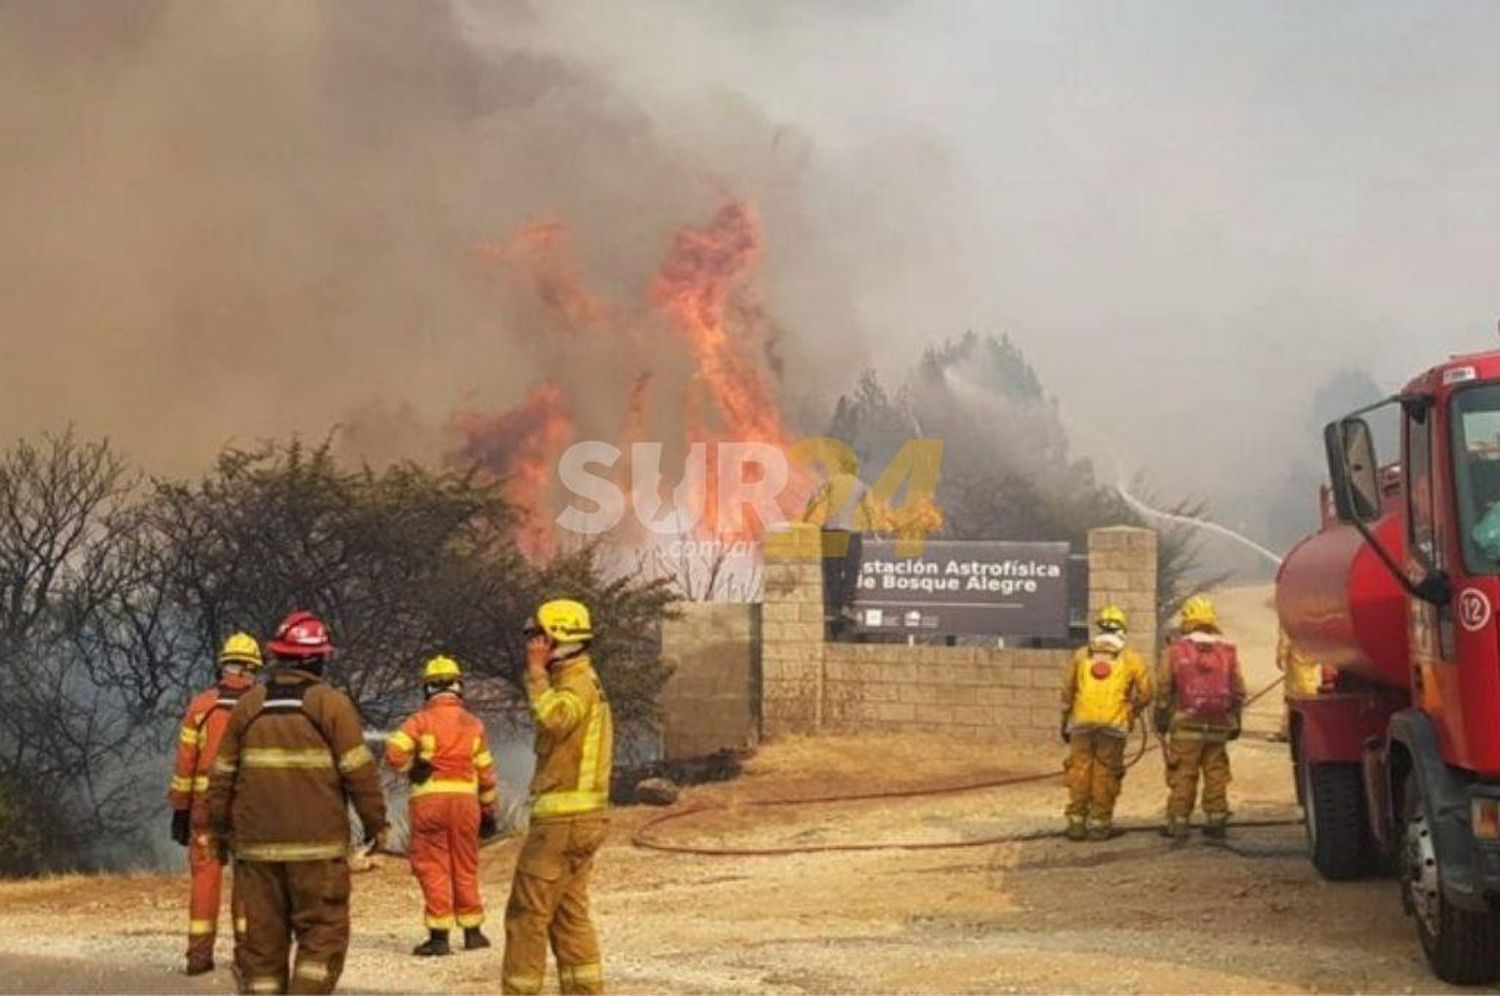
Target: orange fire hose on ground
x: 645, y: 839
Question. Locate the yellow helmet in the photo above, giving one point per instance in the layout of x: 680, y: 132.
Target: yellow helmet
x: 240, y: 648
x: 442, y: 668
x: 1111, y: 619
x: 1198, y: 613
x: 565, y: 621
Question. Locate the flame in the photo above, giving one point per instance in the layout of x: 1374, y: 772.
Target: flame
x: 542, y: 252
x: 695, y: 287
x: 703, y: 289
x: 520, y: 447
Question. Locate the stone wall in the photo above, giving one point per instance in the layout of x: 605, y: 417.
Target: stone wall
x: 811, y: 685
x: 976, y: 692
x: 712, y: 700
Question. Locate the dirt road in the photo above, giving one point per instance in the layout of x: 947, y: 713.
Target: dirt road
x: 1131, y: 915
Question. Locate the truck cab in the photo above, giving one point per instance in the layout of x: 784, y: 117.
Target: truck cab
x: 1398, y: 758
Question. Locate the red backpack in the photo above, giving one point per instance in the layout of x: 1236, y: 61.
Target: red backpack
x: 1203, y: 680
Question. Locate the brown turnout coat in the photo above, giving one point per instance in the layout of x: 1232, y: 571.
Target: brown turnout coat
x: 292, y: 757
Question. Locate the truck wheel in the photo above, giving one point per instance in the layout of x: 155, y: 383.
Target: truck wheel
x: 1463, y: 948
x: 1338, y: 830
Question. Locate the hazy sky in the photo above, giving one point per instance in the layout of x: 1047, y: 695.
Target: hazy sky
x: 222, y: 222
x: 1187, y: 213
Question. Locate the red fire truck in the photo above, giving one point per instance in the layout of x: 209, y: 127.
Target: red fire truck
x: 1398, y: 755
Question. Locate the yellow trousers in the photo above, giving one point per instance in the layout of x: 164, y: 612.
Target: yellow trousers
x: 1093, y: 772
x: 1186, y: 760
x: 549, y: 904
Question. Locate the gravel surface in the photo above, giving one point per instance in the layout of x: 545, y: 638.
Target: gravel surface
x: 1132, y: 915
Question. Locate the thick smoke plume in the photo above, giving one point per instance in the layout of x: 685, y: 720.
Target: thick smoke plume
x: 228, y: 222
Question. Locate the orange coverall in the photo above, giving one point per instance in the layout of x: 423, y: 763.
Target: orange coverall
x: 445, y: 809
x: 197, y: 745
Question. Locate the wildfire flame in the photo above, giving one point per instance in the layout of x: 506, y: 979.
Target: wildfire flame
x: 520, y: 447
x: 701, y: 290
x: 541, y: 252
x: 694, y: 287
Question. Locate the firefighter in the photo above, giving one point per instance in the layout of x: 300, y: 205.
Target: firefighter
x: 197, y: 744
x: 569, y: 795
x: 1105, y: 688
x: 292, y: 754
x: 1302, y: 677
x: 445, y: 753
x: 1199, y: 701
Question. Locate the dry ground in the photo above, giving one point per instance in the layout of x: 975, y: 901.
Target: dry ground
x: 1132, y: 915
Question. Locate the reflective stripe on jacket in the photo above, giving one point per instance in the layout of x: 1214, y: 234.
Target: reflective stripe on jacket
x: 452, y: 740
x: 574, y: 741
x: 292, y: 759
x: 203, y: 725
x: 1109, y: 703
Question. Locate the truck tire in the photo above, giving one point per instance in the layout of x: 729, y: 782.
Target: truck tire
x: 1338, y: 827
x: 1463, y: 948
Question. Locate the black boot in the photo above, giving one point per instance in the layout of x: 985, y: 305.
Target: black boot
x: 474, y: 939
x: 435, y: 945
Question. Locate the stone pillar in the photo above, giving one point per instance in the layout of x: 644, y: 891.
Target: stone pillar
x: 792, y: 632
x: 1122, y: 571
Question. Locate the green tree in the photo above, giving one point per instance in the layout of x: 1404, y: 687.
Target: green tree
x: 1007, y: 470
x: 115, y: 594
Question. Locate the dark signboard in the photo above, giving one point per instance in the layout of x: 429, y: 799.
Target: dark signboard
x: 977, y: 587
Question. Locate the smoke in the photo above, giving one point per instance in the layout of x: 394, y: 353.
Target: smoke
x: 230, y: 222
x: 227, y: 221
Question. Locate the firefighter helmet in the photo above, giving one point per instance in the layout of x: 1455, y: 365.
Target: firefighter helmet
x: 241, y: 648
x: 300, y: 636
x: 1111, y: 619
x: 565, y: 621
x: 441, y: 668
x: 1198, y: 613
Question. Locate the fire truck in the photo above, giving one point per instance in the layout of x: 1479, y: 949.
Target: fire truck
x: 1397, y: 755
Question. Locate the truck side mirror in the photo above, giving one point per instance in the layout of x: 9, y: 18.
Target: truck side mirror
x: 1353, y: 470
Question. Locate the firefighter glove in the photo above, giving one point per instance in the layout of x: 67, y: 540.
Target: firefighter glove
x: 421, y: 770
x: 488, y: 826
x: 1162, y: 719
x: 376, y: 841
x: 180, y: 829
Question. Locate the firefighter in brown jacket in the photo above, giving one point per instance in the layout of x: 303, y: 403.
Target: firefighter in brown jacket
x: 292, y: 754
x: 203, y: 726
x: 549, y: 897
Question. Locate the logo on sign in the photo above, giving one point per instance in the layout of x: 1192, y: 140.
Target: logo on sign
x: 1473, y: 609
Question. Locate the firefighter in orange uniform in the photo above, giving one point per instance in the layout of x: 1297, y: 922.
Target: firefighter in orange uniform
x: 444, y: 751
x: 197, y: 745
x: 549, y: 897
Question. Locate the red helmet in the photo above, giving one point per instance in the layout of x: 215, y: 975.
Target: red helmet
x: 301, y: 635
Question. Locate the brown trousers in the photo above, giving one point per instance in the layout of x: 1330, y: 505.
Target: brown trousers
x: 1186, y: 759
x: 549, y: 902
x: 278, y: 902
x: 1093, y: 772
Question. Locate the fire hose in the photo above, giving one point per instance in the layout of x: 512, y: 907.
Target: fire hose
x: 644, y: 839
